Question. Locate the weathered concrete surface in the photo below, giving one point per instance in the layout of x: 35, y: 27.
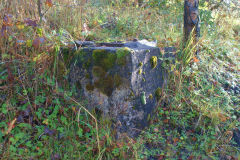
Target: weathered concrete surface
x: 124, y: 82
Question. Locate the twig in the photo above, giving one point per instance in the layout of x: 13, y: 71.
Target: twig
x: 39, y: 10
x: 199, y: 119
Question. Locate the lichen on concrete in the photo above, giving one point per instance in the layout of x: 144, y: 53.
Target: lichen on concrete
x: 150, y: 96
x: 153, y: 61
x: 140, y: 71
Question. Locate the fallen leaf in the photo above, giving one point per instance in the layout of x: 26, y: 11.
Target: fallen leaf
x: 194, y: 139
x: 11, y: 126
x: 29, y: 43
x: 175, y: 140
x: 119, y: 144
x: 223, y: 117
x: 155, y: 130
x: 6, y: 24
x: 7, y: 20
x: 170, y: 39
x: 228, y: 136
x: 74, y: 109
x: 165, y: 120
x: 20, y: 25
x: 45, y: 121
x: 49, y: 3
x: 49, y: 132
x: 37, y: 42
x: 195, y: 59
x: 190, y: 157
x: 161, y: 157
x: 30, y: 22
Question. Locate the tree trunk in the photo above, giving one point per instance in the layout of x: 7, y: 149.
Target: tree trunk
x: 191, y: 20
x: 39, y: 4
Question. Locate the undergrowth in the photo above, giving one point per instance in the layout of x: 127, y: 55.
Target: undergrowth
x: 41, y: 118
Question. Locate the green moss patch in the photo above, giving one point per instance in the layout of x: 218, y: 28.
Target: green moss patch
x: 158, y: 93
x: 87, y: 64
x: 140, y: 71
x: 153, y: 61
x: 117, y: 80
x: 89, y: 87
x: 150, y: 96
x: 87, y: 76
x: 105, y: 85
x: 80, y: 55
x: 104, y: 59
x: 62, y: 69
x: 98, y: 71
x: 121, y: 55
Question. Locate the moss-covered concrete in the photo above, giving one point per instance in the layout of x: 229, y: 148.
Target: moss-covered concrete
x: 113, y: 78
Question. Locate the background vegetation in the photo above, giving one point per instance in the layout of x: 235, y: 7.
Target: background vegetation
x: 40, y: 118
